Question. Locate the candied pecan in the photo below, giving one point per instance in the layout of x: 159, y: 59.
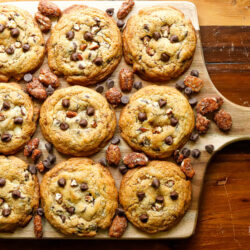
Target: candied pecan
x: 209, y: 105
x: 113, y: 96
x: 48, y: 78
x: 223, y: 120
x: 71, y: 114
x: 32, y: 144
x: 40, y: 166
x: 202, y: 124
x: 118, y: 226
x: 38, y: 226
x: 126, y: 79
x: 194, y: 83
x: 134, y: 159
x: 48, y: 8
x: 178, y: 156
x: 113, y: 154
x: 187, y: 168
x: 43, y: 22
x: 36, y: 153
x: 36, y: 89
x: 125, y: 9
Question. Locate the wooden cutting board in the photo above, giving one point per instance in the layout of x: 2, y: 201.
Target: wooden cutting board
x: 239, y: 131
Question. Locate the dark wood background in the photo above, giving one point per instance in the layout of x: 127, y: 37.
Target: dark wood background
x: 224, y: 216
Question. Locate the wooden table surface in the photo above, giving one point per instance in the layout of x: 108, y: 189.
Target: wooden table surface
x: 224, y: 216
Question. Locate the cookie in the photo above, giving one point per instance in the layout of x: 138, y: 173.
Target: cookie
x: 79, y: 196
x: 22, y: 47
x: 155, y: 197
x: 77, y: 120
x: 162, y: 46
x: 18, y: 118
x: 85, y: 45
x: 157, y: 120
x: 19, y: 193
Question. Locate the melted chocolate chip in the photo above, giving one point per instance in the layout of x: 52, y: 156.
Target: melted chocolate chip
x: 61, y: 182
x: 70, y: 35
x: 2, y: 27
x: 26, y: 47
x: 6, y: 137
x: 70, y: 210
x: 74, y: 57
x: 159, y: 199
x: 10, y: 50
x: 64, y: 126
x: 6, y: 105
x: 156, y: 35
x: 120, y: 23
x: 146, y: 27
x: 173, y: 121
x: 98, y: 61
x: 141, y: 195
x: 88, y: 36
x: 6, y: 212
x: 120, y: 211
x: 18, y: 120
x: 83, y: 123
x: 90, y: 111
x: 28, y: 77
x: 110, y: 11
x: 16, y: 194
x: 174, y: 195
x: 162, y: 103
x: 169, y: 140
x: 143, y: 218
x: 142, y: 116
x: 15, y: 33
x: 103, y: 161
x: 84, y: 186
x: 155, y: 183
x: 2, y: 182
x: 65, y: 103
x: 174, y: 39
x: 165, y: 57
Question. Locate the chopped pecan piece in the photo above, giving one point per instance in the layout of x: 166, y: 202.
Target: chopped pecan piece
x: 40, y: 166
x: 71, y: 114
x: 209, y: 105
x: 48, y: 78
x: 32, y: 144
x: 113, y: 96
x: 223, y: 120
x: 113, y: 155
x: 134, y: 159
x: 202, y: 124
x: 38, y: 226
x: 125, y: 9
x: 150, y: 51
x: 126, y: 79
x: 118, y: 226
x: 194, y: 83
x: 43, y: 22
x: 48, y: 8
x: 187, y: 168
x: 36, y: 154
x: 36, y: 89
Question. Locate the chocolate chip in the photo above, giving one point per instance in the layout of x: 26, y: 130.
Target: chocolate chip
x: 188, y: 91
x: 80, y: 66
x: 115, y: 140
x: 124, y: 100
x: 32, y: 169
x: 174, y: 39
x: 28, y: 77
x: 88, y: 36
x: 193, y: 102
x: 40, y: 211
x: 64, y: 126
x: 98, y: 61
x: 120, y: 211
x: 159, y: 199
x: 110, y: 83
x: 2, y: 182
x: 18, y: 120
x: 196, y: 153
x: 70, y: 34
x: 173, y: 121
x: 15, y: 33
x: 123, y: 169
x: 120, y: 23
x: 10, y: 50
x: 174, y: 195
x: 83, y: 123
x: 65, y: 103
x: 46, y: 163
x: 2, y: 27
x: 63, y: 218
x: 6, y: 212
x: 90, y: 111
x: 61, y: 182
x: 50, y: 90
x: 180, y: 85
x: 165, y: 57
x: 99, y: 89
x: 209, y: 148
x: 155, y: 183
x: 156, y: 35
x: 6, y: 137
x: 145, y: 26
x: 51, y: 158
x: 103, y: 161
x: 49, y: 147
x: 138, y: 85
x: 84, y: 186
x: 70, y: 210
x: 194, y: 72
x: 6, y: 105
x: 110, y: 11
x: 186, y: 152
x: 74, y: 57
x: 141, y: 195
x: 169, y: 140
x: 142, y: 116
x: 16, y: 194
x: 143, y: 218
x: 162, y: 103
x: 26, y: 47
x: 194, y: 136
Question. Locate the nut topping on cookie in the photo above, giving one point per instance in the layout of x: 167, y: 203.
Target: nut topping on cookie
x: 202, y: 124
x: 134, y: 159
x: 113, y: 96
x: 125, y: 9
x: 43, y: 22
x: 48, y: 8
x: 113, y: 155
x: 223, y: 120
x: 187, y: 168
x: 126, y: 79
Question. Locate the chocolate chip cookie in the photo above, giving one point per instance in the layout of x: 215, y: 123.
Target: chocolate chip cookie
x: 162, y: 46
x: 18, y: 118
x: 21, y: 43
x: 79, y: 196
x: 77, y: 120
x: 157, y: 120
x: 85, y: 46
x: 155, y: 197
x: 19, y: 193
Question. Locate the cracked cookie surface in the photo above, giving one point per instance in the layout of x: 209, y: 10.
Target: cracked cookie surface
x: 155, y: 197
x: 85, y: 46
x: 19, y: 193
x: 157, y: 120
x: 21, y: 43
x: 159, y: 42
x: 17, y: 118
x: 79, y: 196
x: 77, y: 120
